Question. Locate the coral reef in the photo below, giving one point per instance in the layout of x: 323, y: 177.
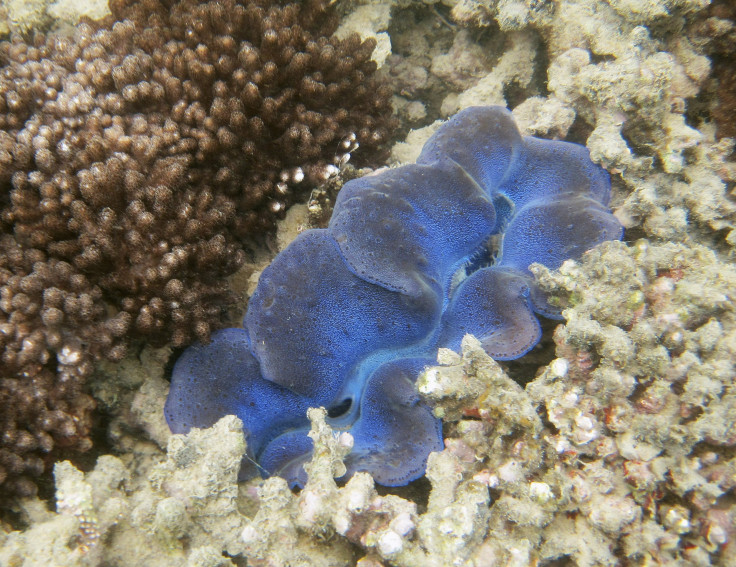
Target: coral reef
x: 643, y: 384
x: 479, y: 206
x: 117, y: 515
x: 438, y: 69
x: 27, y: 17
x: 621, y: 77
x: 614, y: 453
x: 136, y: 156
x: 618, y: 449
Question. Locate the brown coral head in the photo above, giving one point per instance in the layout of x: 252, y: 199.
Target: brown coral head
x: 138, y: 156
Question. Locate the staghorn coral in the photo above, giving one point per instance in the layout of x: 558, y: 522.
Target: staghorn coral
x: 439, y: 69
x: 136, y: 157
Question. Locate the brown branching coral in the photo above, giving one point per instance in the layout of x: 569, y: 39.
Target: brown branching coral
x: 716, y: 30
x: 723, y: 20
x: 136, y: 157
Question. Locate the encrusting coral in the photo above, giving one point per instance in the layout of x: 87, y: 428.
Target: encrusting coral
x: 643, y: 389
x: 107, y: 517
x: 136, y: 156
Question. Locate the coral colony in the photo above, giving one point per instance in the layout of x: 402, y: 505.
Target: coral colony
x: 413, y: 259
x: 136, y: 157
x: 620, y: 447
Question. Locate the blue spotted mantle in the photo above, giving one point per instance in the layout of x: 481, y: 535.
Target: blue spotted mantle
x: 413, y: 259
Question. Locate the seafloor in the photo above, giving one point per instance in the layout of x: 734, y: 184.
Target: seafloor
x: 613, y: 443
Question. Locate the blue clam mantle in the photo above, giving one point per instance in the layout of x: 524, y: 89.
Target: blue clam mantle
x: 413, y: 259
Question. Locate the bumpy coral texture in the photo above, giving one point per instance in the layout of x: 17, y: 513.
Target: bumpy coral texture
x: 720, y: 27
x: 412, y: 260
x: 135, y: 158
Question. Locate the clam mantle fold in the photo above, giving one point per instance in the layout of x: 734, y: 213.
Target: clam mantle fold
x: 413, y: 259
